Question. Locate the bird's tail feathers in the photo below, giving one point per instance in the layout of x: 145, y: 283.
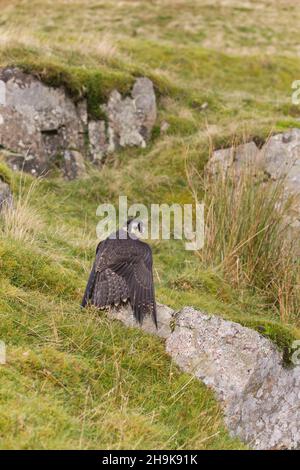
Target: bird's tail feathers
x: 89, y: 288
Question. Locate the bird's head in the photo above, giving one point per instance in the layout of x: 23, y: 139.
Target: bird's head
x: 135, y: 228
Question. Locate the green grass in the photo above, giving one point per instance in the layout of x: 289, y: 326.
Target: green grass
x: 74, y: 379
x: 5, y: 173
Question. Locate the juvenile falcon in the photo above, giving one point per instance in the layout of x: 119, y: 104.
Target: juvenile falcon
x: 122, y: 272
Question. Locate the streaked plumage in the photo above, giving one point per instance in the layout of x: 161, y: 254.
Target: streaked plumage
x: 122, y: 272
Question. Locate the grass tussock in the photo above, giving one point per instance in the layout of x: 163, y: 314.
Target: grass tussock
x: 19, y: 220
x: 247, y: 237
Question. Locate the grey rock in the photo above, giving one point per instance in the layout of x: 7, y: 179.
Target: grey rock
x: 74, y: 166
x: 214, y: 345
x: 220, y: 161
x: 278, y: 160
x: 281, y: 160
x: 83, y: 112
x: 246, y: 155
x: 260, y: 397
x: 245, y: 370
x: 145, y: 104
x: 36, y: 120
x: 130, y: 120
x: 6, y: 197
x: 38, y: 123
x: 97, y: 141
x: 267, y: 413
x: 18, y: 135
x: 124, y: 125
x: 2, y: 93
x: 234, y: 158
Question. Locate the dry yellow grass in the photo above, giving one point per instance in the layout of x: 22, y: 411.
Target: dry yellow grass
x: 104, y: 49
x: 20, y: 220
x: 230, y: 26
x: 246, y: 236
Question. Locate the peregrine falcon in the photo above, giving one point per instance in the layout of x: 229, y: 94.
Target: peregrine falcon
x: 122, y: 272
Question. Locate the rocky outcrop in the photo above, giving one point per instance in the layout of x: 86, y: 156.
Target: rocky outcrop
x: 260, y: 397
x: 233, y: 158
x: 98, y: 141
x: 39, y: 123
x: 277, y: 161
x: 131, y: 119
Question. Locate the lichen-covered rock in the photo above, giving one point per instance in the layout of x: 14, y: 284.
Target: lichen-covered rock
x: 261, y: 398
x: 6, y: 197
x: 37, y: 121
x: 19, y: 136
x: 130, y: 120
x: 145, y: 105
x: 208, y: 346
x: 124, y: 124
x: 83, y: 112
x: 74, y: 166
x: 267, y: 414
x: 98, y: 142
x: 233, y: 158
x: 281, y: 159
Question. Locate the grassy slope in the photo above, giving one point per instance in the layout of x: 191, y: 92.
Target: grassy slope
x: 75, y: 379
x: 94, y: 386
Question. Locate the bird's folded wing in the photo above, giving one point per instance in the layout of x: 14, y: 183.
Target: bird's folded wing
x: 132, y: 261
x: 91, y: 281
x: 142, y: 290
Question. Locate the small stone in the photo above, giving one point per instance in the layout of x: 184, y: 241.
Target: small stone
x: 164, y: 127
x: 6, y: 198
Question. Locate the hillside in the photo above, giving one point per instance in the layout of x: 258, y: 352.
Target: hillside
x: 222, y: 73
